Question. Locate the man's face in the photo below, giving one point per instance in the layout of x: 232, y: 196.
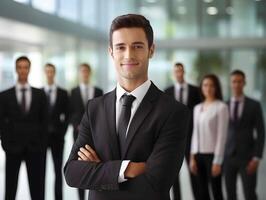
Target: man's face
x: 131, y: 54
x: 84, y: 73
x: 179, y: 73
x: 50, y: 74
x: 23, y: 70
x: 237, y: 84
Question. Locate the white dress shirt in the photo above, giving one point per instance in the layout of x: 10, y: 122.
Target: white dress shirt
x: 210, y: 130
x: 28, y: 94
x: 240, y: 106
x: 90, y: 91
x: 53, y: 93
x: 185, y: 92
x: 139, y: 93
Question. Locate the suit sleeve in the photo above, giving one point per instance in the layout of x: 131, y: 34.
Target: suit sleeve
x: 66, y: 110
x: 167, y: 156
x: 90, y: 175
x: 260, y: 130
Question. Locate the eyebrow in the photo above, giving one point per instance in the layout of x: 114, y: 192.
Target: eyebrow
x: 134, y: 43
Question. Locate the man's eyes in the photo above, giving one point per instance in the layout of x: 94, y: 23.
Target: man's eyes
x: 133, y: 47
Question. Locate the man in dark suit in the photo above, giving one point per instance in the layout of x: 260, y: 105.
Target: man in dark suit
x: 244, y: 148
x: 23, y: 124
x: 131, y: 140
x: 57, y: 104
x: 78, y: 99
x: 190, y: 96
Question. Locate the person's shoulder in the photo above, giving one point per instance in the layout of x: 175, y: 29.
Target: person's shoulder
x: 193, y: 87
x: 7, y: 91
x: 222, y: 105
x: 169, y: 88
x: 169, y: 103
x: 252, y: 101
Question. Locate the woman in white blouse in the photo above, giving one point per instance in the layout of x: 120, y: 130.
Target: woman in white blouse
x: 208, y: 139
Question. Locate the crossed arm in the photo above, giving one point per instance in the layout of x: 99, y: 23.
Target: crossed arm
x: 133, y: 169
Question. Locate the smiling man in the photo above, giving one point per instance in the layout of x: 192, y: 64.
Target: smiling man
x: 131, y: 140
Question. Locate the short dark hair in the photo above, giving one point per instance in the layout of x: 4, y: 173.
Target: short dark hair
x: 217, y: 86
x: 179, y: 64
x: 50, y: 65
x: 131, y: 21
x: 86, y: 65
x: 25, y: 58
x: 238, y: 72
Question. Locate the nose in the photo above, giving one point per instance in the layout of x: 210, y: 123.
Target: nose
x: 129, y: 53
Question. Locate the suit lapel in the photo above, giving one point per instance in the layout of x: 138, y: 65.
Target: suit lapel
x: 244, y: 112
x: 16, y: 99
x: 109, y: 107
x: 143, y: 110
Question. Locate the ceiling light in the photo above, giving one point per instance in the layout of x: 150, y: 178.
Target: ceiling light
x: 208, y: 1
x: 212, y: 10
x: 182, y: 10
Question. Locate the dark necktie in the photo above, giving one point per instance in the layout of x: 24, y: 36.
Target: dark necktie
x: 123, y: 121
x: 181, y: 94
x: 23, y: 100
x: 50, y: 106
x: 235, y: 114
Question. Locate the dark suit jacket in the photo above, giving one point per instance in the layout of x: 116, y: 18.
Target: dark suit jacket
x: 77, y: 106
x: 156, y: 135
x: 241, y: 142
x: 22, y: 132
x: 59, y: 115
x: 193, y: 99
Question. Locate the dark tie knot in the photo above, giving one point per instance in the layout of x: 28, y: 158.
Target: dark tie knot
x: 128, y: 100
x: 23, y: 90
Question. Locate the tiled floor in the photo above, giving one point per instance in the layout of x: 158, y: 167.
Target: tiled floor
x: 71, y: 194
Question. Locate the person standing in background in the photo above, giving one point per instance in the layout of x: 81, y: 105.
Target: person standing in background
x: 78, y: 100
x: 208, y: 138
x: 23, y: 127
x: 190, y: 96
x: 57, y: 106
x: 245, y: 142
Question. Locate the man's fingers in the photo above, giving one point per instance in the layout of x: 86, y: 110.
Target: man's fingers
x: 82, y: 156
x: 93, y: 153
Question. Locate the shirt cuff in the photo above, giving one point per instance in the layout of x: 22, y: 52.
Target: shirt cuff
x: 217, y: 160
x: 256, y: 158
x: 121, y: 177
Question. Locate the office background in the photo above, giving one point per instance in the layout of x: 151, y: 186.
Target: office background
x: 214, y: 36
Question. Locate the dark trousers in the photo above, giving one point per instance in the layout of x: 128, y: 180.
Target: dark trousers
x: 204, y: 178
x: 56, y: 144
x: 34, y: 165
x: 232, y: 168
x: 193, y: 180
x: 81, y: 192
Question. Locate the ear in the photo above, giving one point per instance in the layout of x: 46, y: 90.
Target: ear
x: 151, y: 51
x: 110, y: 50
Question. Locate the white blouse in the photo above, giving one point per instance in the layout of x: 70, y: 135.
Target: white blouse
x: 210, y: 130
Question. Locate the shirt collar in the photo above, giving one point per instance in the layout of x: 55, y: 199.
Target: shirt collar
x: 139, y: 92
x: 83, y: 86
x: 19, y: 86
x: 183, y: 85
x: 50, y: 87
x: 240, y: 99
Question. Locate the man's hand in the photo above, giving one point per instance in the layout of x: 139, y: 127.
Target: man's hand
x: 252, y: 166
x: 216, y: 170
x: 135, y: 169
x: 193, y: 165
x: 88, y: 154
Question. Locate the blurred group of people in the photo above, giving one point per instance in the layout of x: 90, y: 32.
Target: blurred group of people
x: 221, y: 140
x: 34, y: 120
x: 226, y: 138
